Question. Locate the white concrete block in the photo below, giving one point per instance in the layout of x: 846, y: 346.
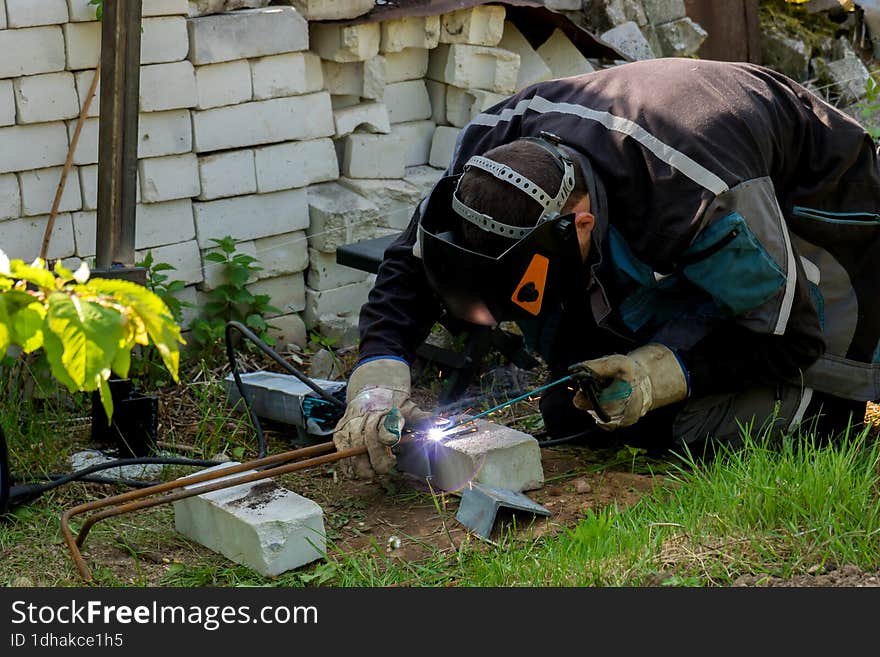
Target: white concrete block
x: 165, y: 8
x: 563, y: 57
x: 395, y: 199
x: 164, y: 133
x: 230, y: 173
x: 369, y: 117
x: 164, y: 39
x: 167, y: 87
x: 22, y: 239
x: 32, y: 13
x: 443, y: 146
x: 47, y: 97
x: 247, y: 33
x: 88, y: 183
x: 209, y: 7
x: 345, y: 300
x: 462, y: 105
x: 325, y: 273
x: 345, y: 43
x: 408, y: 101
x: 437, y: 94
x: 289, y: 329
x: 228, y: 83
x: 341, y: 102
x: 7, y: 103
x: 215, y: 273
x: 289, y: 74
x: 84, y: 231
x: 83, y: 86
x: 417, y: 136
x: 373, y: 156
x: 83, y: 43
x: 295, y: 164
x: 87, y: 147
x: 260, y: 525
x: 332, y: 10
x: 81, y: 10
x: 564, y: 5
x: 423, y: 178
x: 477, y: 67
x: 169, y: 178
x: 532, y: 68
x: 249, y: 217
x: 495, y: 455
x: 283, y: 254
x: 287, y: 293
x: 382, y: 70
x: 343, y: 329
x: 164, y: 223
x: 193, y: 301
x: 338, y: 216
x: 36, y: 146
x: 3, y: 15
x: 263, y: 122
x: 31, y: 51
x: 629, y: 40
x: 184, y: 257
x: 482, y: 25
x: 10, y: 197
x: 38, y: 189
x: 410, y: 32
x: 343, y: 78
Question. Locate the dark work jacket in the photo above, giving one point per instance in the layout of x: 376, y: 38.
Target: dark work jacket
x: 740, y: 226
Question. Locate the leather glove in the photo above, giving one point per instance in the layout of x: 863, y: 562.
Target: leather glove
x: 648, y: 377
x: 374, y: 390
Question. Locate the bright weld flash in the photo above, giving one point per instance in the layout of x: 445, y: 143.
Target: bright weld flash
x: 436, y: 434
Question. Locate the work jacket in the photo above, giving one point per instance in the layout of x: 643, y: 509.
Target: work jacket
x: 737, y: 222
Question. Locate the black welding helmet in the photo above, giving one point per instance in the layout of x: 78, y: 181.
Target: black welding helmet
x: 524, y: 279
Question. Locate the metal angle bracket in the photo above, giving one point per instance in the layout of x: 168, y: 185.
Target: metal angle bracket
x: 480, y: 504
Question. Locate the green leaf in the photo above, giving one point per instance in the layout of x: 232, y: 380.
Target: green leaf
x: 106, y: 398
x: 256, y: 322
x: 37, y: 275
x: 238, y: 277
x: 213, y: 256
x: 5, y: 337
x: 27, y: 326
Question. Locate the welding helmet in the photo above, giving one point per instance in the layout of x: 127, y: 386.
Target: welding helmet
x: 524, y: 279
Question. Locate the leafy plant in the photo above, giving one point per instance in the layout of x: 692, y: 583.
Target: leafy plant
x: 86, y: 327
x: 869, y: 108
x: 99, y: 8
x: 158, y: 283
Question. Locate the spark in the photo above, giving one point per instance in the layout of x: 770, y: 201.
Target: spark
x: 436, y: 434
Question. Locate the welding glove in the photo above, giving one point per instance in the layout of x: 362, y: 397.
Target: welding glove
x: 648, y: 377
x: 374, y: 389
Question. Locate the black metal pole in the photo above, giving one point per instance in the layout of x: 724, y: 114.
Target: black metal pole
x: 118, y: 138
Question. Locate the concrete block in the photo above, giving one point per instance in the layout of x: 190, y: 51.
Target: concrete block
x: 81, y: 10
x: 164, y: 39
x: 164, y: 223
x: 168, y: 86
x: 417, y: 136
x: 209, y: 7
x: 371, y: 117
x: 83, y: 80
x: 83, y: 44
x: 32, y: 13
x: 165, y: 8
x: 664, y: 11
x: 681, y: 38
x: 343, y: 78
x: 341, y: 102
x: 395, y: 199
x: 38, y: 189
x: 249, y: 217
x: 260, y: 525
x: 532, y: 68
x: 184, y: 257
x: 482, y: 25
x: 332, y: 10
x: 629, y: 39
x: 290, y: 74
x: 478, y: 67
x: 87, y: 147
x: 373, y: 156
x: 215, y: 273
x: 382, y: 70
x: 31, y: 51
x: 263, y: 122
x: 345, y: 300
x: 169, y: 178
x: 44, y: 98
x: 345, y: 43
x: 342, y: 328
x: 423, y: 178
x: 164, y: 133
x: 408, y: 101
x: 287, y: 293
x: 437, y: 94
x: 338, y: 216
x: 495, y: 455
x: 223, y: 84
x: 84, y: 232
x: 325, y: 273
x: 3, y: 15
x: 231, y: 173
x: 36, y: 146
x: 7, y: 103
x: 563, y: 57
x: 443, y: 146
x: 410, y: 32
x: 88, y: 183
x: 283, y: 254
x: 193, y: 300
x: 295, y: 164
x: 462, y: 105
x: 23, y: 238
x: 564, y: 5
x: 289, y: 329
x: 10, y: 197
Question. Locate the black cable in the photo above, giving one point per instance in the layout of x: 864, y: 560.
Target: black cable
x: 552, y: 442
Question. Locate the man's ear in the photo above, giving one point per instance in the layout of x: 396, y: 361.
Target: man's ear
x: 584, y: 221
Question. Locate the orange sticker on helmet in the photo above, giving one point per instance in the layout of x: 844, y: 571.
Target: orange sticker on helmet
x: 529, y: 294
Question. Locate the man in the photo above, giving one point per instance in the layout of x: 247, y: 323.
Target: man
x: 699, y: 236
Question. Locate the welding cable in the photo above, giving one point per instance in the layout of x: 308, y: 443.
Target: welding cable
x: 552, y: 442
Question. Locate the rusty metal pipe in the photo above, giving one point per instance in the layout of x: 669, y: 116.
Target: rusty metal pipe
x: 133, y: 500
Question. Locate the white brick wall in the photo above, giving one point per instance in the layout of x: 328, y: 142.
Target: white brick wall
x: 480, y: 26
x: 325, y: 273
x: 282, y: 254
x: 83, y: 85
x: 38, y: 189
x: 408, y: 101
x: 23, y: 238
x: 32, y: 13
x: 10, y: 197
x: 228, y: 83
x: 374, y: 156
x: 164, y: 223
x: 7, y: 103
x: 87, y: 147
x: 287, y: 293
x: 247, y: 33
x: 417, y: 136
x: 290, y: 74
x: 345, y: 300
x: 32, y: 146
x: 167, y: 87
x: 249, y: 217
x: 163, y: 39
x: 231, y: 173
x: 164, y: 133
x: 345, y: 43
x: 31, y: 51
x: 83, y: 42
x: 411, y: 32
x: 88, y: 182
x: 184, y: 257
x: 339, y: 216
x: 44, y: 98
x: 169, y: 178
x: 295, y: 164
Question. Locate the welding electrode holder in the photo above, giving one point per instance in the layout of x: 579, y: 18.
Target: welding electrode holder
x: 591, y: 384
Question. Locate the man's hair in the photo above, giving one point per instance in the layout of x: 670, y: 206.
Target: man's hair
x: 502, y: 201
